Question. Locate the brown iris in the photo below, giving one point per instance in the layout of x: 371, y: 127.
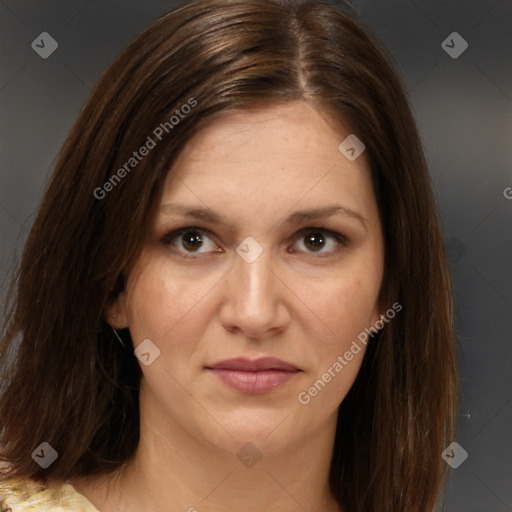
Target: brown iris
x: 191, y: 240
x: 314, y: 241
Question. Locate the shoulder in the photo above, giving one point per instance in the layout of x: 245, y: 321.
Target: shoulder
x: 27, y: 495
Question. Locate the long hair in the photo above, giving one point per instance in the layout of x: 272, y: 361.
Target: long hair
x: 68, y: 381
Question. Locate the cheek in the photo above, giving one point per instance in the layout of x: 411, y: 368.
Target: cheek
x: 161, y: 301
x: 347, y: 306
x: 345, y: 301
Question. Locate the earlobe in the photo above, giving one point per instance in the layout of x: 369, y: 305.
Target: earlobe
x: 388, y: 313
x: 378, y: 318
x: 376, y: 314
x: 375, y: 323
x: 115, y: 313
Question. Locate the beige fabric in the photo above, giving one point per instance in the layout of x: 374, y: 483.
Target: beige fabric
x: 30, y: 496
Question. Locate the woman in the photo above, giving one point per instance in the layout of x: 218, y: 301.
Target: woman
x: 235, y: 294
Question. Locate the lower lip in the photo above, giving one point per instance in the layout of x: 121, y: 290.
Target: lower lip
x: 254, y: 383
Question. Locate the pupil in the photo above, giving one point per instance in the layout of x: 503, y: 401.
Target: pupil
x: 315, y: 241
x: 191, y: 241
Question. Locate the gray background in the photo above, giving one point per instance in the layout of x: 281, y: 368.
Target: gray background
x: 464, y: 110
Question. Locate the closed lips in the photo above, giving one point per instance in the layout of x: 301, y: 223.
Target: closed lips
x: 262, y: 364
x: 254, y: 377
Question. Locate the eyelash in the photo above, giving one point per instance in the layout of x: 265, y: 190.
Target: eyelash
x: 338, y: 237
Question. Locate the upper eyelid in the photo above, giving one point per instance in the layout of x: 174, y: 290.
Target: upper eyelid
x: 184, y: 229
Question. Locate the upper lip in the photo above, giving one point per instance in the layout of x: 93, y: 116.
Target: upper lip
x: 253, y: 365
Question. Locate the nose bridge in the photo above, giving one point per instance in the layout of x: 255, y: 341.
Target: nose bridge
x: 253, y: 304
x: 256, y: 281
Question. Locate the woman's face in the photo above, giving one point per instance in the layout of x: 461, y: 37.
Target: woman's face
x: 268, y: 244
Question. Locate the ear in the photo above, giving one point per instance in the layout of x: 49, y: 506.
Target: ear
x: 376, y: 315
x: 378, y: 318
x: 115, y: 312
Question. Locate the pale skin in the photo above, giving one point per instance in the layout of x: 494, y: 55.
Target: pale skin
x: 304, y: 300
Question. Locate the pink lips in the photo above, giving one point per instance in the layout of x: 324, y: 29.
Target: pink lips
x: 254, y: 377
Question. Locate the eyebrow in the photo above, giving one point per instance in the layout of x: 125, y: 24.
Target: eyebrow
x: 295, y: 218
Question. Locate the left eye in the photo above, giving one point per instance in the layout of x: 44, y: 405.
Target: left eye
x: 189, y: 241
x: 319, y: 241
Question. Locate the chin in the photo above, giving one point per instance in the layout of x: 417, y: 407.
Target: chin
x: 267, y: 432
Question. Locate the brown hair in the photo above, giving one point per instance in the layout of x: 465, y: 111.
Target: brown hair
x: 68, y: 381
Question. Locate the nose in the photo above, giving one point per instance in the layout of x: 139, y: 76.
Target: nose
x: 255, y: 299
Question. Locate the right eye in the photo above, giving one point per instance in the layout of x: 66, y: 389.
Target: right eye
x: 191, y: 240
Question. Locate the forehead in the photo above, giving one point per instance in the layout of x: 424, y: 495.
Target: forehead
x: 276, y: 157
x: 292, y: 130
